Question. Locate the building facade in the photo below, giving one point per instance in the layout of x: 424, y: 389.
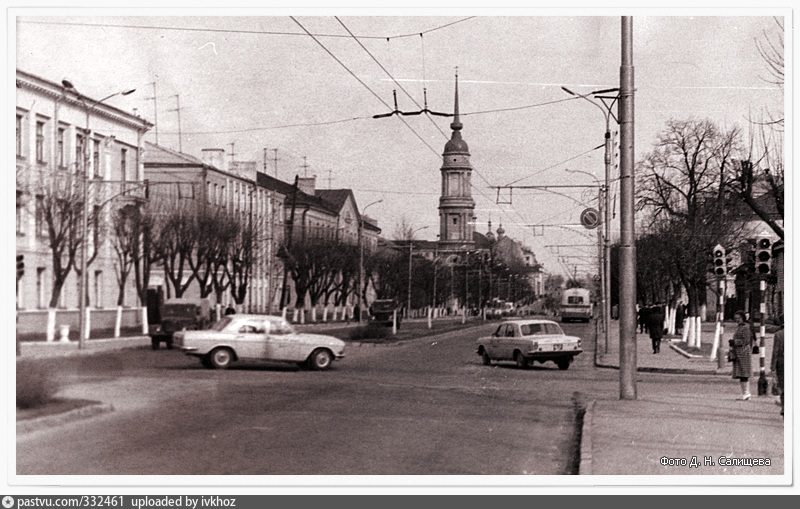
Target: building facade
x: 181, y: 180
x: 69, y: 146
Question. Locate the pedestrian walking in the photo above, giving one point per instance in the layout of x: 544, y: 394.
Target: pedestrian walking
x: 741, y: 353
x: 776, y: 365
x: 643, y: 318
x: 655, y: 326
x: 357, y: 312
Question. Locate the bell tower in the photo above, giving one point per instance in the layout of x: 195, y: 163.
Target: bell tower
x: 456, y: 206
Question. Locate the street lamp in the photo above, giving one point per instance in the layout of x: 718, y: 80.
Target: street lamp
x: 606, y: 109
x: 361, y: 257
x: 602, y: 243
x: 82, y: 281
x: 410, y: 249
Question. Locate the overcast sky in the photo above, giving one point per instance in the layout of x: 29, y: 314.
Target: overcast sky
x: 243, y: 78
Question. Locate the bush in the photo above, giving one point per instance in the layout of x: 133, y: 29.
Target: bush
x: 370, y: 331
x: 35, y: 385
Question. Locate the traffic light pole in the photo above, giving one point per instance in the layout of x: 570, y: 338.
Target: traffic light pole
x: 762, y: 352
x: 721, y: 320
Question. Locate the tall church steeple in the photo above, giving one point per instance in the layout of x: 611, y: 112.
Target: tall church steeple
x: 456, y: 206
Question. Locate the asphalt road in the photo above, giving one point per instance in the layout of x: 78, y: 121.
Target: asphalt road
x: 425, y: 407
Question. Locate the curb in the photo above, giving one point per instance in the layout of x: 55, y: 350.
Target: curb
x: 400, y: 342
x: 585, y: 465
x: 668, y: 371
x: 77, y: 414
x: 36, y: 349
x: 683, y: 352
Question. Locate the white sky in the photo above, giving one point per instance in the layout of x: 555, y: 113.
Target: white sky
x: 684, y: 67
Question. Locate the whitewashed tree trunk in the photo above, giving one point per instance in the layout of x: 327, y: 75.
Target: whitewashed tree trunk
x: 145, y: 324
x: 430, y: 318
x: 118, y: 322
x: 314, y: 314
x: 88, y: 322
x: 325, y: 314
x: 51, y: 325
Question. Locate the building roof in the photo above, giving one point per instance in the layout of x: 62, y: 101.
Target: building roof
x: 336, y: 197
x: 57, y: 89
x: 302, y: 199
x: 163, y: 156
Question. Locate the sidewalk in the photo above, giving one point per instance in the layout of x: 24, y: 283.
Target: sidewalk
x: 680, y: 417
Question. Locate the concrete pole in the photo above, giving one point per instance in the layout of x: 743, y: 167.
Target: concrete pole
x: 627, y: 269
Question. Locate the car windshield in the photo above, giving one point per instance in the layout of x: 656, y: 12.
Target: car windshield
x: 220, y: 325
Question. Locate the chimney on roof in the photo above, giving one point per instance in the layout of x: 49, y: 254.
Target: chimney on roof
x: 307, y: 184
x: 214, y: 157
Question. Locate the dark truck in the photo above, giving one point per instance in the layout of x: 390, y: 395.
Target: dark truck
x: 178, y: 315
x: 381, y: 312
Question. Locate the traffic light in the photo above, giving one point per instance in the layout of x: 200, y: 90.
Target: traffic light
x: 20, y: 266
x: 720, y: 263
x: 763, y: 255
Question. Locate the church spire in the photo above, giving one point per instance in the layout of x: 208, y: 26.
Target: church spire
x: 456, y: 124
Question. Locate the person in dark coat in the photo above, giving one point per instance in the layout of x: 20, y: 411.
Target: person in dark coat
x: 230, y: 310
x: 643, y: 318
x: 776, y: 365
x: 742, y: 347
x: 655, y: 325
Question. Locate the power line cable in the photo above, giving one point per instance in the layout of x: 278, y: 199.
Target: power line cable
x: 553, y: 166
x: 363, y: 84
x: 232, y: 31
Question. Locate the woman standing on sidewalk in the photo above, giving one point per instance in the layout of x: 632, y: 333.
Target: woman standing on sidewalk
x: 741, y: 345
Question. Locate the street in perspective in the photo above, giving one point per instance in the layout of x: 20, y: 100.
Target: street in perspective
x: 401, y: 246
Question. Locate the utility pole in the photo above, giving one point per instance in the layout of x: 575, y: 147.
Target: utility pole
x: 289, y: 243
x: 180, y: 135
x: 627, y: 265
x: 155, y: 109
x: 329, y: 179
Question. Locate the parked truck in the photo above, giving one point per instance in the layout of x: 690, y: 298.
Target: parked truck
x: 178, y: 315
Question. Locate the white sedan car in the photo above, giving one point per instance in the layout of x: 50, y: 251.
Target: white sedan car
x: 258, y: 337
x: 526, y: 341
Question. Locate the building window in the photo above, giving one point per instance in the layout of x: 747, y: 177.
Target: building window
x: 20, y: 215
x: 41, y: 296
x: 39, y: 141
x: 79, y: 156
x: 41, y: 222
x: 96, y: 158
x: 95, y: 227
x: 216, y: 194
x: 60, y: 149
x: 123, y: 163
x: 98, y: 288
x: 209, y: 197
x: 19, y: 135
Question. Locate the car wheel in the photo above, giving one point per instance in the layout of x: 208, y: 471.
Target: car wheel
x: 563, y: 364
x: 521, y: 361
x: 221, y: 358
x: 485, y: 357
x: 320, y: 359
x: 154, y: 344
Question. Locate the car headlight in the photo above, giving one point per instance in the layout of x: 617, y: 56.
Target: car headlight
x: 535, y: 345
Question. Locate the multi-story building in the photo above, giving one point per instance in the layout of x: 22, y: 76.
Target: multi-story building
x: 65, y: 141
x: 311, y: 213
x: 237, y: 190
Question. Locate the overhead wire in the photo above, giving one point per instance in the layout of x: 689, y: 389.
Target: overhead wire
x: 232, y: 31
x: 329, y: 52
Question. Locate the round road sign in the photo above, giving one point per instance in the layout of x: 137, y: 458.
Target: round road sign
x: 590, y: 218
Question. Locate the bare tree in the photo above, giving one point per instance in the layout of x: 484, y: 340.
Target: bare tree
x: 175, y: 245
x: 685, y: 181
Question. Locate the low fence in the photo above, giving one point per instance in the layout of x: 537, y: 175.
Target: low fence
x: 52, y: 324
